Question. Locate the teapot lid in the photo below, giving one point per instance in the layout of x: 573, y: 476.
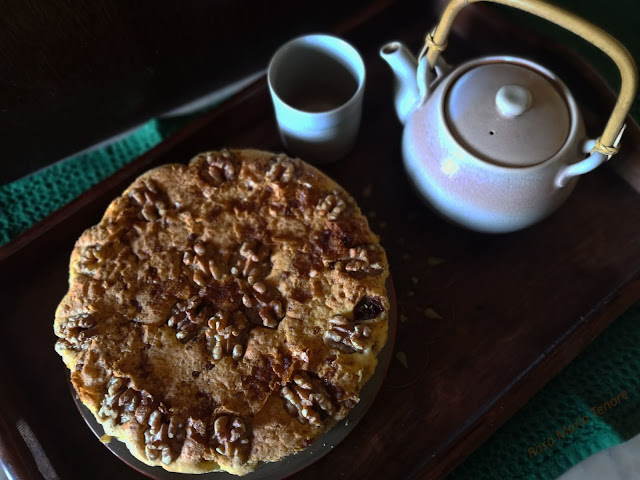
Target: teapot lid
x: 508, y: 113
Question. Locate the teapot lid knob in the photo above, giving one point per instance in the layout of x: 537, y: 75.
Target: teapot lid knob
x: 507, y: 111
x: 513, y: 100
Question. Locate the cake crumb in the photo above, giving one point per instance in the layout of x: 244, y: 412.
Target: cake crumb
x: 402, y: 358
x: 435, y: 261
x: 431, y: 314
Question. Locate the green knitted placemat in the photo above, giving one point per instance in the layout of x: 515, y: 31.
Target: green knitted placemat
x: 28, y: 200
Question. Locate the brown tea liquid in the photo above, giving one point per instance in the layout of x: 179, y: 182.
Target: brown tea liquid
x: 324, y: 86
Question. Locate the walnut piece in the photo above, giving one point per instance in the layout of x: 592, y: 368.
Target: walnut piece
x: 76, y: 332
x: 151, y: 199
x: 196, y: 430
x: 177, y: 428
x: 307, y: 399
x: 146, y: 406
x: 284, y: 169
x: 203, y: 263
x: 230, y: 437
x: 264, y: 304
x: 120, y: 401
x: 347, y: 336
x: 156, y: 439
x: 91, y: 259
x: 365, y: 259
x: 251, y: 261
x: 165, y: 434
x: 334, y: 204
x: 226, y: 334
x: 187, y: 316
x: 214, y: 169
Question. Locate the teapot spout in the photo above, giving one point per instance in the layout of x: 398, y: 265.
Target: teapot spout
x: 404, y: 66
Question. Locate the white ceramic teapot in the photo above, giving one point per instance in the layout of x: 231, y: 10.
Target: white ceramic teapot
x: 497, y: 143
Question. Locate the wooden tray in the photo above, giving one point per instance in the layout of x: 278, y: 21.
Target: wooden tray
x: 478, y: 335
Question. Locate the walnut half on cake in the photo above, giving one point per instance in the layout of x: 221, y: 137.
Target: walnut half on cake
x: 224, y: 313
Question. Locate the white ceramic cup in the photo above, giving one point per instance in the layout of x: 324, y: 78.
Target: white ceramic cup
x: 317, y: 86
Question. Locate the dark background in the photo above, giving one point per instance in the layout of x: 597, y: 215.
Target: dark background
x: 76, y: 72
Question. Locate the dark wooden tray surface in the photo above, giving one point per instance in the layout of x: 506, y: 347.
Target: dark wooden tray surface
x: 512, y: 310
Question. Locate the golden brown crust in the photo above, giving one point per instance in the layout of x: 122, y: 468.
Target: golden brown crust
x: 225, y: 313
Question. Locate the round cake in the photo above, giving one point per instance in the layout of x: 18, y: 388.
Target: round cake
x: 224, y: 313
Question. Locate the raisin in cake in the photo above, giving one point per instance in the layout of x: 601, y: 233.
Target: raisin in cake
x: 224, y: 313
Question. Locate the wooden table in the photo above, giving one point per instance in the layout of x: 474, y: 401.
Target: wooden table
x: 484, y: 321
